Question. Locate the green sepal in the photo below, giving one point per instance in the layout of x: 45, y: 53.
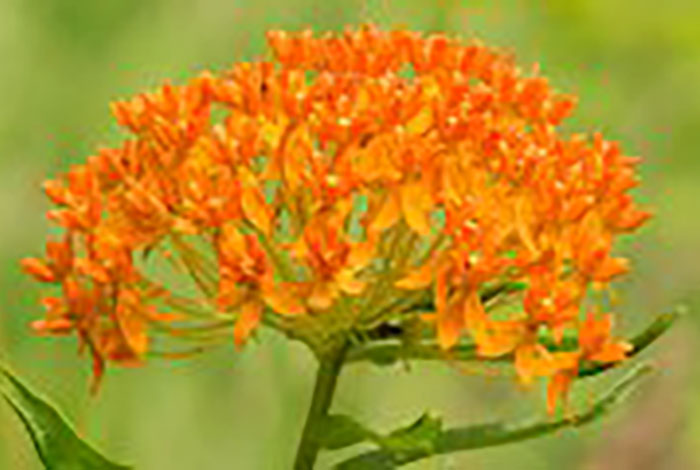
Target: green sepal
x: 337, y: 431
x: 58, y: 446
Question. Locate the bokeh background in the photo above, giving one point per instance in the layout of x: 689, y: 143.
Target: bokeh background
x: 635, y: 65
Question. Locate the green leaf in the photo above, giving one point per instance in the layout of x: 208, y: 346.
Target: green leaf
x: 58, y: 446
x: 338, y: 431
x: 417, y: 438
x: 433, y: 441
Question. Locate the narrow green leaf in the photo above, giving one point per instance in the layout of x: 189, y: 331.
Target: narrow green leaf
x: 58, y: 446
x: 491, y: 434
x: 338, y: 431
x: 418, y: 438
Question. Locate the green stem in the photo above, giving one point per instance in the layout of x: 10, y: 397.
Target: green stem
x: 329, y: 368
x: 384, y: 353
x: 487, y: 435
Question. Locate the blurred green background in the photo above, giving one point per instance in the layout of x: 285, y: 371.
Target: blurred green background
x: 635, y: 65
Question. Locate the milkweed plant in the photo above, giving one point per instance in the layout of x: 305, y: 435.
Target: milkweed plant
x: 377, y: 195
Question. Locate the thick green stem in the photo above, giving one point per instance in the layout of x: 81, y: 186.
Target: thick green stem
x: 329, y: 368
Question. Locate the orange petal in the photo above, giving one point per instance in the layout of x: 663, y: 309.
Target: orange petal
x: 360, y: 255
x: 58, y: 326
x: 565, y: 360
x: 347, y: 283
x: 449, y: 326
x: 632, y: 219
x: 450, y: 320
x: 339, y: 213
x: 297, y: 249
x: 232, y: 241
x: 251, y: 313
x: 388, y: 214
x: 283, y: 301
x: 253, y: 201
x: 38, y: 269
x: 165, y: 316
x: 493, y: 338
x: 429, y: 317
x: 498, y: 338
x: 182, y: 225
x: 98, y: 368
x: 610, y: 268
x: 60, y: 255
x: 133, y: 327
x: 523, y: 215
x: 441, y: 292
x: 558, y: 386
x: 322, y: 295
x: 611, y: 352
x: 415, y: 206
x: 419, y: 278
x: 532, y: 360
x: 421, y: 122
x: 229, y: 293
x: 66, y: 218
x: 474, y: 313
x: 255, y: 209
x: 56, y: 191
x: 92, y: 269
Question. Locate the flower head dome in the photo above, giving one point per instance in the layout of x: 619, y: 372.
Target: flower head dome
x: 354, y: 179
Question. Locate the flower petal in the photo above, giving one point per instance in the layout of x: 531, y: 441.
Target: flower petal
x: 322, y: 295
x: 347, y: 283
x: 387, y: 215
x: 253, y: 203
x: 251, y: 313
x: 419, y: 278
x: 415, y: 206
x: 283, y: 300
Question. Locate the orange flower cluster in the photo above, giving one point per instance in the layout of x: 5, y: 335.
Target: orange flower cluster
x: 353, y: 171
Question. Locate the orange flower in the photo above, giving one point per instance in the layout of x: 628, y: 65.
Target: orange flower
x: 334, y: 262
x: 517, y: 337
x: 58, y: 265
x: 246, y: 282
x: 596, y: 345
x: 351, y: 173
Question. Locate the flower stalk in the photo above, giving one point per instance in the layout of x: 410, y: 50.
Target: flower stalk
x: 329, y: 367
